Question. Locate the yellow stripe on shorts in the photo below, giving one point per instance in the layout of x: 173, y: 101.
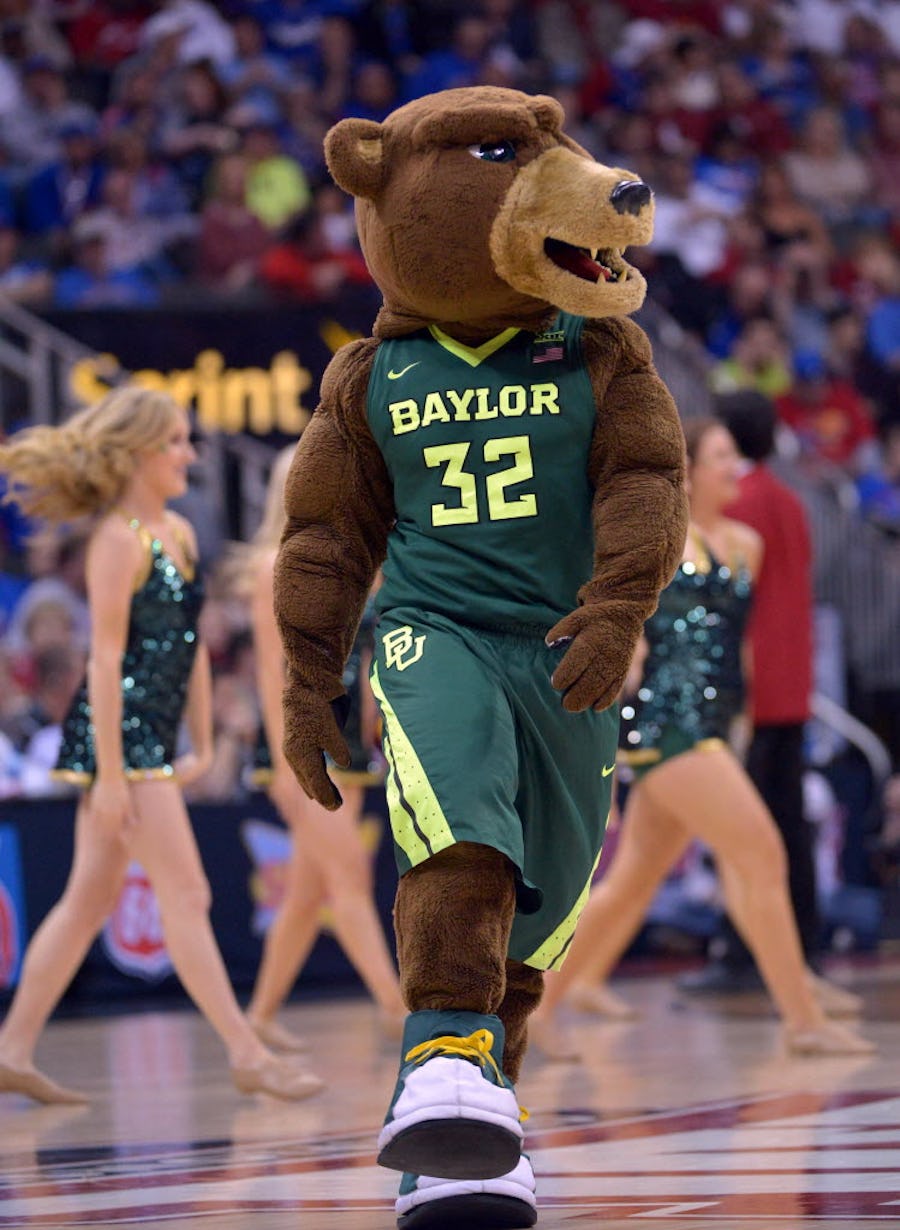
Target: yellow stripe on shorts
x: 555, y: 947
x: 417, y: 820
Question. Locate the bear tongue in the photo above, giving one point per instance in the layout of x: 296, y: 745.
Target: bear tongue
x: 576, y: 260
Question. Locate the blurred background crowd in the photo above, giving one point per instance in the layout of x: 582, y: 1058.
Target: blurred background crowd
x: 154, y: 153
x: 166, y: 153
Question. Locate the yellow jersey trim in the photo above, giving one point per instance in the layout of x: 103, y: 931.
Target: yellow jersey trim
x: 653, y: 755
x: 473, y: 355
x: 713, y: 744
x: 552, y: 953
x: 186, y: 566
x: 646, y: 755
x: 418, y: 822
x: 146, y: 540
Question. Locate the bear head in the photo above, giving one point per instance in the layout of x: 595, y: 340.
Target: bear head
x: 476, y: 212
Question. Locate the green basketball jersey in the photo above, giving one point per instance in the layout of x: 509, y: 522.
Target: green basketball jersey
x: 488, y: 451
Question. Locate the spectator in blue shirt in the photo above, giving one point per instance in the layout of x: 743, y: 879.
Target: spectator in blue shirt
x: 254, y: 76
x: 7, y: 203
x: 879, y: 272
x: 22, y: 280
x: 728, y: 172
x: 459, y: 64
x: 373, y: 92
x: 31, y: 132
x: 60, y: 193
x: 88, y: 283
x: 884, y: 331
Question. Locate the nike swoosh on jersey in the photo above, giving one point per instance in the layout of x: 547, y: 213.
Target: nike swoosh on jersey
x: 403, y: 370
x: 607, y: 769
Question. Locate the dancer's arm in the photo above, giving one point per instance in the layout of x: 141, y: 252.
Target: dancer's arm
x: 270, y: 680
x: 747, y: 550
x: 367, y: 703
x: 114, y: 559
x: 636, y: 669
x: 198, y: 701
x: 198, y: 718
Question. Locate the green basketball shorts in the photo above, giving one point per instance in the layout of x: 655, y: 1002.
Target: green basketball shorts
x: 480, y: 749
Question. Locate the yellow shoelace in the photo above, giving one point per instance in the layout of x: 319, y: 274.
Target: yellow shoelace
x: 476, y: 1046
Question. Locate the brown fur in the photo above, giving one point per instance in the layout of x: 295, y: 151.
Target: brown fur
x: 436, y: 970
x: 458, y: 241
x: 339, y: 510
x: 637, y: 468
x: 524, y: 988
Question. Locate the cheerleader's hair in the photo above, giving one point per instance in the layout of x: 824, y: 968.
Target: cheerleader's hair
x: 80, y: 468
x: 696, y: 430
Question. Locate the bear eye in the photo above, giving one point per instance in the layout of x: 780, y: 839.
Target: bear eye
x: 494, y: 151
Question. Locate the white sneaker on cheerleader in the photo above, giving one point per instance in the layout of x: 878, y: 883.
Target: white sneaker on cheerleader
x: 454, y: 1113
x: 505, y: 1203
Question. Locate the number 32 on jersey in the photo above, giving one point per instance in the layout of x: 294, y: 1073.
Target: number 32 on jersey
x: 499, y: 507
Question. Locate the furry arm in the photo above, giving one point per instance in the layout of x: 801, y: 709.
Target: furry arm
x: 637, y: 468
x: 339, y: 506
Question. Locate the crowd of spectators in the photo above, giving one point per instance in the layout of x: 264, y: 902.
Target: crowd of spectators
x: 153, y: 151
x: 156, y: 152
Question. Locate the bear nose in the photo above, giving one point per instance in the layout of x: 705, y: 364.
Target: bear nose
x: 630, y: 196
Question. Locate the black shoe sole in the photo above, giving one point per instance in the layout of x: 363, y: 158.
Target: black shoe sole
x: 453, y: 1149
x: 476, y: 1212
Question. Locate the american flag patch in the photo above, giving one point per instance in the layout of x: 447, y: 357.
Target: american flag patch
x: 548, y: 347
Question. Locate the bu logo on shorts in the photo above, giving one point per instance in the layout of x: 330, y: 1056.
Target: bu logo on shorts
x: 401, y: 648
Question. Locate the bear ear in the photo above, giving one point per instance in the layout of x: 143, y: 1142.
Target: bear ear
x: 547, y: 111
x: 353, y: 152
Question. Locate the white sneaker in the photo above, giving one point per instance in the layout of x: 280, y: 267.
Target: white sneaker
x: 454, y: 1113
x: 505, y: 1203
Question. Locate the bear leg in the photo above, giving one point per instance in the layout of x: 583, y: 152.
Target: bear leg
x: 524, y: 988
x: 452, y: 916
x: 454, y: 1112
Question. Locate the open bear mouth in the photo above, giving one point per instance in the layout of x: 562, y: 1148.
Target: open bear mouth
x: 591, y: 265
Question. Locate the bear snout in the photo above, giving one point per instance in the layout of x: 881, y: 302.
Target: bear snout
x: 630, y: 196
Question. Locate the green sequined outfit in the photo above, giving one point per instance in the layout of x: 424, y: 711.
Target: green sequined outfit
x: 692, y: 686
x: 156, y: 669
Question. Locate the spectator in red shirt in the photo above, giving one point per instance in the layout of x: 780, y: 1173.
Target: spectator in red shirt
x: 755, y: 121
x: 830, y: 419
x: 304, y: 265
x: 700, y: 13
x: 232, y: 239
x: 781, y: 641
x: 103, y: 34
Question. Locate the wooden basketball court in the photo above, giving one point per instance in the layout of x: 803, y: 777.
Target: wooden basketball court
x: 689, y: 1117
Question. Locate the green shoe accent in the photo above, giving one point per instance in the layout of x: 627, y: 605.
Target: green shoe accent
x: 408, y: 1183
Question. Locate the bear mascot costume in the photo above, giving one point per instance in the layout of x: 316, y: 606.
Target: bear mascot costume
x: 503, y: 447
